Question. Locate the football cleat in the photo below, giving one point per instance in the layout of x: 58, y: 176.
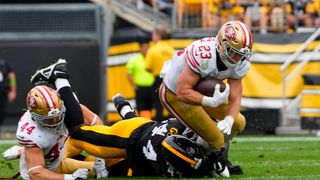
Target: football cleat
x: 119, y: 101
x: 50, y: 73
x: 234, y: 169
x: 100, y: 169
x: 220, y: 163
x: 221, y: 169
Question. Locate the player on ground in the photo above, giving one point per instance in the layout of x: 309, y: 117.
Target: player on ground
x: 225, y: 56
x: 42, y: 133
x: 137, y: 139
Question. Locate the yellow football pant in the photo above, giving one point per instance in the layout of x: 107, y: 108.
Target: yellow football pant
x: 107, y: 141
x: 69, y: 165
x: 198, y: 118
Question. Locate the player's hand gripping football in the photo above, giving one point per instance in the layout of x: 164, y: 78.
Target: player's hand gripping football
x: 217, y: 98
x: 81, y: 173
x: 226, y: 124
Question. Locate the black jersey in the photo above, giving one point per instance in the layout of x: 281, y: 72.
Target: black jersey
x: 144, y: 154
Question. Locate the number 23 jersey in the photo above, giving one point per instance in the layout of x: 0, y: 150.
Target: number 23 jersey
x: 29, y: 134
x: 201, y: 57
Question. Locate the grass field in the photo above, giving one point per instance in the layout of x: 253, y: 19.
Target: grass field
x: 262, y: 157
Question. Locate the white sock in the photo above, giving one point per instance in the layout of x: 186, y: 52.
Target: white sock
x: 61, y: 82
x: 125, y: 109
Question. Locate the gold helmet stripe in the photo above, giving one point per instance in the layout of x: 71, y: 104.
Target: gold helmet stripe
x: 43, y: 90
x: 177, y: 153
x: 247, y: 38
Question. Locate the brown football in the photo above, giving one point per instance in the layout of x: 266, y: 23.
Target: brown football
x: 207, y: 85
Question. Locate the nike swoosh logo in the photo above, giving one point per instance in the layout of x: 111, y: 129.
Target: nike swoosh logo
x: 55, y: 72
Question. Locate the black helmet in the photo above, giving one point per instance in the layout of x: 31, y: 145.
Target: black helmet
x: 184, y: 155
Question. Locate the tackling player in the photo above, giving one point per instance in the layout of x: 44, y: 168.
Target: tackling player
x: 225, y: 56
x: 140, y: 140
x: 42, y: 133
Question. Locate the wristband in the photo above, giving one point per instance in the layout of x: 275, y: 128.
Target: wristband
x: 12, y: 81
x: 229, y: 118
x: 68, y: 177
x: 34, y: 167
x: 94, y: 120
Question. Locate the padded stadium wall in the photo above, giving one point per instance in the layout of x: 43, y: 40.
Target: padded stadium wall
x: 36, y: 35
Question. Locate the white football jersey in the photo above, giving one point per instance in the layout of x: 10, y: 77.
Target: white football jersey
x: 201, y: 58
x: 29, y: 134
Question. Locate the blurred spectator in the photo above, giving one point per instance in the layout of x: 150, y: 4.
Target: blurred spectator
x: 141, y: 80
x: 256, y: 16
x: 217, y: 12
x: 299, y: 13
x: 277, y: 15
x: 231, y: 10
x: 211, y: 18
x: 7, y: 88
x: 157, y: 54
x: 189, y: 13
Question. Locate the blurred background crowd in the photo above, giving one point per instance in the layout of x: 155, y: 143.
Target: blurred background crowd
x: 261, y: 15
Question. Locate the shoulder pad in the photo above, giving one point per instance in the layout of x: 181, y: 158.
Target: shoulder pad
x: 200, y: 54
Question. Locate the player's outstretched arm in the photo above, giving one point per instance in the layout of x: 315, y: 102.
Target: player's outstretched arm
x: 90, y: 118
x: 34, y: 159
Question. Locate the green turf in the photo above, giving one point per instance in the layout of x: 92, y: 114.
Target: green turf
x: 8, y: 168
x: 267, y: 157
x: 288, y: 159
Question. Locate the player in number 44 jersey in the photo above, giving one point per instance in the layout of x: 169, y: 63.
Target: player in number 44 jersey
x: 42, y: 133
x: 225, y: 56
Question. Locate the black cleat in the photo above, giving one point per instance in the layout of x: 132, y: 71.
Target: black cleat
x: 119, y: 101
x: 234, y: 169
x: 50, y: 73
x: 220, y: 163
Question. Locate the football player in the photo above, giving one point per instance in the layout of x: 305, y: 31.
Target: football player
x: 225, y: 56
x: 138, y: 139
x: 42, y: 133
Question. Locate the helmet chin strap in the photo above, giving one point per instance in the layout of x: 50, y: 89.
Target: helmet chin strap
x: 225, y: 61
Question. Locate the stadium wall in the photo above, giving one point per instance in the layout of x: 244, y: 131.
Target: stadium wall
x: 35, y: 35
x: 262, y: 86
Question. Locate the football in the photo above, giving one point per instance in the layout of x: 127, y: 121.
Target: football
x: 207, y: 85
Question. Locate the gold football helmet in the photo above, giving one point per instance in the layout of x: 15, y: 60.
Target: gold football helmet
x: 46, y: 107
x: 234, y: 43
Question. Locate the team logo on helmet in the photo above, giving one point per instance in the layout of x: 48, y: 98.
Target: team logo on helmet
x: 32, y: 102
x: 230, y: 33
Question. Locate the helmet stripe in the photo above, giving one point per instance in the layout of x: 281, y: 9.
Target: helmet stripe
x: 247, y: 39
x: 53, y: 105
x: 177, y: 153
x: 46, y: 96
